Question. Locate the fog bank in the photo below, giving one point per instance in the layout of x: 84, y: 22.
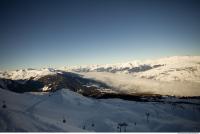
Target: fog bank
x: 129, y: 84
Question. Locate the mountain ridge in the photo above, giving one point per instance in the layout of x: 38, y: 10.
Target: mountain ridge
x: 176, y: 68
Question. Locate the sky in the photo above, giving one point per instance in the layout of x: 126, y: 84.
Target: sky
x: 56, y: 33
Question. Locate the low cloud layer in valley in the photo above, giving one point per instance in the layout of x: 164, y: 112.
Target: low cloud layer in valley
x: 128, y: 83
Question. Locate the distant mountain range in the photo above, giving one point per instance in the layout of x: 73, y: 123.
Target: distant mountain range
x: 177, y: 68
x: 171, y: 69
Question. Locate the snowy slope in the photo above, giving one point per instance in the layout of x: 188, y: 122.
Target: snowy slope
x: 176, y: 68
x: 65, y: 110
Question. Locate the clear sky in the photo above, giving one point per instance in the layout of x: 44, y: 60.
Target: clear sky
x: 55, y: 33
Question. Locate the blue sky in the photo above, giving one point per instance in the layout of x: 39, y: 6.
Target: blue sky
x: 54, y: 33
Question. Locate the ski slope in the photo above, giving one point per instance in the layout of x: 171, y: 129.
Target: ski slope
x: 68, y: 111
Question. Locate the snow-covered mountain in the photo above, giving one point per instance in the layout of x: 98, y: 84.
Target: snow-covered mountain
x: 174, y: 76
x: 25, y: 74
x: 176, y: 68
x: 163, y: 96
x: 55, y: 81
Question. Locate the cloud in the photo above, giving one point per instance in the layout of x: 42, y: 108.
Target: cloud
x: 129, y: 84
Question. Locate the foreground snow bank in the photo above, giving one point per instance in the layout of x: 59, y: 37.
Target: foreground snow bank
x: 65, y: 110
x: 129, y: 84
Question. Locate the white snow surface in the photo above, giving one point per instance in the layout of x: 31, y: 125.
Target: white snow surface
x: 45, y: 112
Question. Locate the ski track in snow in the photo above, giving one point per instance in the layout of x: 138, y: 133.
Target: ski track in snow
x: 46, y: 113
